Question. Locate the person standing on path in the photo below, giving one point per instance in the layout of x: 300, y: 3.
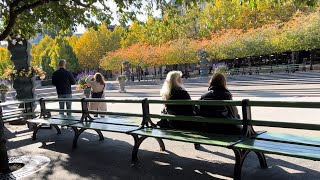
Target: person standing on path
x: 98, y: 86
x: 63, y: 80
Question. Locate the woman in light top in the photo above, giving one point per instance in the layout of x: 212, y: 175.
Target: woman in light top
x: 97, y: 85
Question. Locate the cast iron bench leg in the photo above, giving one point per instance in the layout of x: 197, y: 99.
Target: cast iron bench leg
x: 240, y: 156
x: 76, y: 136
x: 35, y: 130
x: 37, y: 127
x: 137, y: 142
x: 262, y: 160
x: 101, y: 138
x: 77, y: 133
x: 161, y: 144
x: 57, y: 128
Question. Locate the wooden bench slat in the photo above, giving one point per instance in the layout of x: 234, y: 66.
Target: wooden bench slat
x: 189, y: 136
x: 289, y: 138
x: 269, y: 147
x: 18, y: 115
x: 64, y: 110
x: 13, y: 110
x: 285, y: 124
x: 66, y: 117
x: 196, y: 119
x: 9, y: 103
x: 61, y: 122
x: 197, y: 102
x: 13, y: 119
x: 11, y: 113
x: 119, y: 121
x: 115, y: 113
x: 285, y: 104
x: 105, y: 127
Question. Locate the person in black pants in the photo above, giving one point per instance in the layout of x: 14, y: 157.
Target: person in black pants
x: 63, y: 80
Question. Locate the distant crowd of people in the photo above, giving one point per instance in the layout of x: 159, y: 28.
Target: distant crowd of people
x: 172, y: 89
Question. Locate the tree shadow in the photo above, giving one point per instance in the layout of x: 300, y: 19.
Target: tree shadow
x: 111, y: 159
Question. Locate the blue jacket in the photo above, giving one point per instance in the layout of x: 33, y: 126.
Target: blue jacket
x: 63, y: 80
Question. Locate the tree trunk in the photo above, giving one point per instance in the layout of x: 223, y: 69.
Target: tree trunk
x: 4, y: 165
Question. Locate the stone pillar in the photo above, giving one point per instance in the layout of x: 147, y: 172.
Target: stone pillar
x: 20, y: 56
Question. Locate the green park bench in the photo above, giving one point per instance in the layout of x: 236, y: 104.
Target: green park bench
x: 47, y: 120
x: 249, y: 141
x: 114, y: 122
x: 17, y: 110
x: 234, y: 71
x: 296, y: 67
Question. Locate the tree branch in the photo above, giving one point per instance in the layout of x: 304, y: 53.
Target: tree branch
x: 82, y: 4
x: 15, y: 13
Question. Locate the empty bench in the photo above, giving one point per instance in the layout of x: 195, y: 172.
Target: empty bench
x: 20, y: 110
x: 114, y: 121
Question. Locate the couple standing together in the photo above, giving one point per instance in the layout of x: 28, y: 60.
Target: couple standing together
x: 63, y: 79
x: 173, y: 89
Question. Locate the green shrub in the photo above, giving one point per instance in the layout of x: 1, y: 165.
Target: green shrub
x: 221, y: 69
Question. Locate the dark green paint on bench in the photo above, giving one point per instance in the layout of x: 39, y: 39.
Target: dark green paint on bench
x: 105, y: 127
x: 269, y: 147
x: 66, y: 117
x: 312, y: 141
x: 127, y: 121
x: 189, y: 136
x: 49, y: 121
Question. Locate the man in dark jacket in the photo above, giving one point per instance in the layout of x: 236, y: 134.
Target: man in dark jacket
x: 63, y: 80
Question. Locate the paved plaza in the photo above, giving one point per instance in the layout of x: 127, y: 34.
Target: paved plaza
x: 111, y: 158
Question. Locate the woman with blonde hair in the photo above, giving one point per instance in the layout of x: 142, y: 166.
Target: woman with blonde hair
x: 173, y: 89
x: 218, y: 91
x: 97, y: 85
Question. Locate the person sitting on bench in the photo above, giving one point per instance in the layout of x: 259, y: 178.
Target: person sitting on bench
x: 173, y: 89
x: 218, y: 91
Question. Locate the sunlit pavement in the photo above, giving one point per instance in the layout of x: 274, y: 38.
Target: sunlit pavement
x: 110, y: 159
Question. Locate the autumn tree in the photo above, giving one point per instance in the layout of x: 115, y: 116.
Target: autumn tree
x: 4, y: 59
x: 39, y: 50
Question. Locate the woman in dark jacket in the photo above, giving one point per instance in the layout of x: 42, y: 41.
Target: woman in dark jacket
x: 173, y: 89
x: 218, y: 91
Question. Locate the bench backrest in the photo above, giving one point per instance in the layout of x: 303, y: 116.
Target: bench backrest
x: 282, y: 124
x: 21, y: 111
x: 147, y: 117
x: 84, y: 111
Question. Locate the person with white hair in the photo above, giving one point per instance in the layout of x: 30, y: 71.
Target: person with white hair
x: 173, y: 89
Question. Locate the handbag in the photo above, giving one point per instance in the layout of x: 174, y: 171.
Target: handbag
x: 97, y: 94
